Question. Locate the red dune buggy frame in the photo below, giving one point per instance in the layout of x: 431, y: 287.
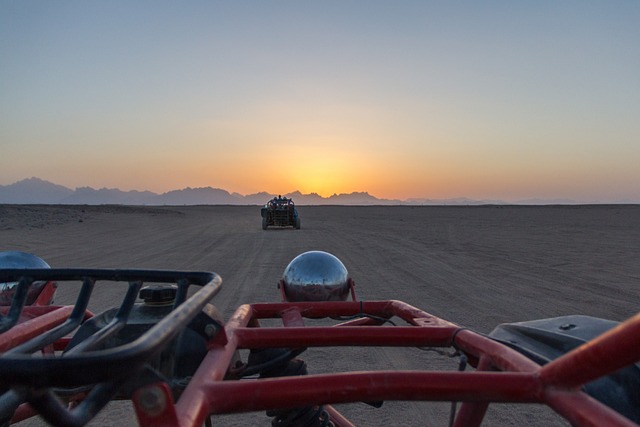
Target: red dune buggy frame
x: 76, y: 377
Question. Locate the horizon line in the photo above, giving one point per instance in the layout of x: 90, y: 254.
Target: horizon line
x: 410, y: 200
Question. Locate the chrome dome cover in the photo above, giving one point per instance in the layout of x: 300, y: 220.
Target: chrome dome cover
x: 316, y: 276
x: 17, y: 259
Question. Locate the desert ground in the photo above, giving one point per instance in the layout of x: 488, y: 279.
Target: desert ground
x: 475, y: 266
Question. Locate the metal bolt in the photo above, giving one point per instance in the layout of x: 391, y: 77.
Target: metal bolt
x: 210, y: 330
x: 152, y: 400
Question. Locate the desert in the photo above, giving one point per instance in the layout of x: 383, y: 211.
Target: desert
x: 477, y: 266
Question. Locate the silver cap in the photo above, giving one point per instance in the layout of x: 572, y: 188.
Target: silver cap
x: 16, y: 259
x: 316, y: 276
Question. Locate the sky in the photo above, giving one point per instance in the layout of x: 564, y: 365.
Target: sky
x: 402, y: 99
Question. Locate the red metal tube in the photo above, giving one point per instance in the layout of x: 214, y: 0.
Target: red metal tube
x: 289, y: 392
x: 500, y: 356
x: 337, y: 418
x: 582, y: 410
x: 47, y: 318
x: 318, y: 336
x: 471, y: 414
x: 192, y: 407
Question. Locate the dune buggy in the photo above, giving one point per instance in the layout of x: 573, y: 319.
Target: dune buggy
x: 280, y: 212
x: 181, y: 365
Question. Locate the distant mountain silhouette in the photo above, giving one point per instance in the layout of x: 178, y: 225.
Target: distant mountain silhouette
x: 198, y: 196
x: 37, y: 191
x: 89, y: 196
x: 34, y: 190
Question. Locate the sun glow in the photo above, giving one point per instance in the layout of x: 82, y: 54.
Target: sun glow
x: 323, y: 171
x: 323, y: 175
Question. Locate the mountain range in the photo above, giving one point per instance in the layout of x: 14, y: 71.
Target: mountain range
x: 38, y: 191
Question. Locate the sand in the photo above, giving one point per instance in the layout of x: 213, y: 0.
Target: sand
x: 475, y: 266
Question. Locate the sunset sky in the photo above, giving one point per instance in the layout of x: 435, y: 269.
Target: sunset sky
x: 487, y: 100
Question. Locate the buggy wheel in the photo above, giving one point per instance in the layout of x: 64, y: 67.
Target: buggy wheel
x: 297, y: 223
x: 264, y: 223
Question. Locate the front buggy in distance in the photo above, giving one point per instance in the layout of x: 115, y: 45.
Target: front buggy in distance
x: 280, y: 212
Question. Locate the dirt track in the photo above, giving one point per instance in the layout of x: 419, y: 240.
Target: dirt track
x: 475, y: 266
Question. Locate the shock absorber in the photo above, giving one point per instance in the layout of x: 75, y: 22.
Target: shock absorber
x: 278, y: 362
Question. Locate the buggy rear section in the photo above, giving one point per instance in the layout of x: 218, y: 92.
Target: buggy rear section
x: 280, y: 212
